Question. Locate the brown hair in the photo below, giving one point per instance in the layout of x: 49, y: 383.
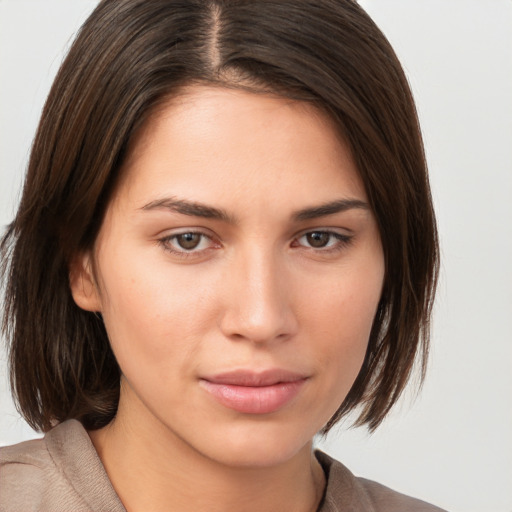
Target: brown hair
x: 128, y: 57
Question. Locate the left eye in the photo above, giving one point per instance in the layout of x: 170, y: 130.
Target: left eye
x: 187, y: 242
x: 322, y: 239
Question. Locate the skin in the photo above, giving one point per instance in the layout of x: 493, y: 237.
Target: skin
x: 253, y: 294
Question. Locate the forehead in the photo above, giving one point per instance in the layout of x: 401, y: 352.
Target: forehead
x: 222, y: 143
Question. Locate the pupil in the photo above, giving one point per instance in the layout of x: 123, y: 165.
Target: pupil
x: 188, y: 240
x: 318, y: 239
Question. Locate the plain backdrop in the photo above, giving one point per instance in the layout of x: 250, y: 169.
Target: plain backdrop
x: 452, y: 445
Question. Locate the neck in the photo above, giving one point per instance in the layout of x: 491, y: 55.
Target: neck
x: 168, y: 470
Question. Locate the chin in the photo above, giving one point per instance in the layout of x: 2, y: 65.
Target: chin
x: 258, y: 446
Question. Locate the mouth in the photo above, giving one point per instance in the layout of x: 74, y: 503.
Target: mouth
x: 252, y: 392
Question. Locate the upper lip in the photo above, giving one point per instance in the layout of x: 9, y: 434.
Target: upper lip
x: 252, y: 378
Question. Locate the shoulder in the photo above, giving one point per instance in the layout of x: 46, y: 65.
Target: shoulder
x: 26, y: 470
x: 53, y: 473
x: 345, y: 491
x: 386, y: 499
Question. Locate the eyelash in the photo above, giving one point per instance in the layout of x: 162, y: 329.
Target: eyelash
x: 342, y: 241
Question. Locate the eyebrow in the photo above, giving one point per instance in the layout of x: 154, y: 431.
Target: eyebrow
x: 195, y: 209
x: 190, y: 208
x: 330, y: 208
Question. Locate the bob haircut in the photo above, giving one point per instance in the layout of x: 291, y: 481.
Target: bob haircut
x: 131, y: 56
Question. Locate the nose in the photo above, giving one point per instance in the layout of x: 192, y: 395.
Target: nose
x: 258, y: 304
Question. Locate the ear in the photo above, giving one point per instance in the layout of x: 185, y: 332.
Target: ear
x: 83, y: 283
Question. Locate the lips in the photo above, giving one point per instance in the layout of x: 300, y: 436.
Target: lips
x: 254, y: 392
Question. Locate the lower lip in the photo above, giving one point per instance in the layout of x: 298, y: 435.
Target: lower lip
x: 254, y: 399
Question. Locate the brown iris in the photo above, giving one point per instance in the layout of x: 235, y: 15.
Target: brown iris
x: 318, y: 238
x: 188, y: 241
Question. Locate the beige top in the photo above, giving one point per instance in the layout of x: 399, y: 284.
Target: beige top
x: 62, y: 472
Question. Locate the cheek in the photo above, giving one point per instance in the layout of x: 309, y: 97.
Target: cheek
x: 342, y: 314
x: 154, y: 317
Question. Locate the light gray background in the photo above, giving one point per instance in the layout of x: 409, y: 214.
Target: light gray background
x: 453, y: 445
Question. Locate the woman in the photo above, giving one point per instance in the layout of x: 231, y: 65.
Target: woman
x: 225, y: 244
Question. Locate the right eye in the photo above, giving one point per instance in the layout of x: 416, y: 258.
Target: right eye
x: 323, y: 240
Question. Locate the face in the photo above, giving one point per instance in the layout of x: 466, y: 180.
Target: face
x: 238, y: 272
